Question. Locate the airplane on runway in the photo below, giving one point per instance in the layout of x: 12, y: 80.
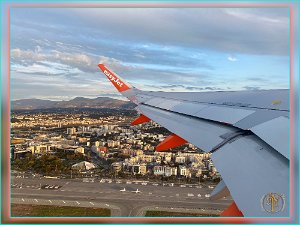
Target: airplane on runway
x: 137, y: 191
x: 123, y: 190
x: 246, y: 132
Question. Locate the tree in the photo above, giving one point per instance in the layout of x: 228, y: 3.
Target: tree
x: 121, y: 174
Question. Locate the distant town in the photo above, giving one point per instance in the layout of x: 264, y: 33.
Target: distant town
x: 100, y: 144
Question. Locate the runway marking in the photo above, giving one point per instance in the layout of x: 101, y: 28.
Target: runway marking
x: 163, y: 196
x: 116, y: 198
x: 107, y: 204
x: 64, y: 202
x: 36, y: 200
x: 23, y: 200
x: 92, y: 203
x: 50, y: 201
x: 77, y: 202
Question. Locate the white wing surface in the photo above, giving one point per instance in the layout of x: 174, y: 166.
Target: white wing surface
x: 247, y: 133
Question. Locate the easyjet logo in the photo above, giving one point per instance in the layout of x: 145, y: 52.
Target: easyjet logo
x: 113, y: 78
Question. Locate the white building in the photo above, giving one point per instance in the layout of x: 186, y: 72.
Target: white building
x: 84, y: 165
x: 170, y: 171
x: 183, y: 171
x: 80, y: 150
x: 165, y: 171
x: 71, y: 130
x: 158, y: 170
x: 168, y: 158
x: 180, y: 159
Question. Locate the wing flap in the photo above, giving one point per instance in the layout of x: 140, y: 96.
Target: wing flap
x: 251, y: 170
x: 219, y: 191
x: 274, y: 132
x: 202, y: 133
x: 188, y: 108
x: 224, y: 114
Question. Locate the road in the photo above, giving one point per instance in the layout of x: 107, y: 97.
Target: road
x: 108, y: 195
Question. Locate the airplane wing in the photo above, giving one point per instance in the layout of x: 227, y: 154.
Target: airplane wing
x: 246, y: 132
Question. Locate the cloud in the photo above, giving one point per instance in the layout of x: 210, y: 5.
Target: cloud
x: 53, y: 62
x: 167, y: 49
x: 17, y: 53
x: 240, y: 30
x: 25, y: 85
x: 180, y: 88
x: 251, y: 14
x: 44, y: 67
x: 237, y: 30
x: 232, y: 58
x: 252, y: 88
x: 60, y: 62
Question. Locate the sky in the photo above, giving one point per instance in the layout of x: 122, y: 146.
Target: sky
x: 55, y: 51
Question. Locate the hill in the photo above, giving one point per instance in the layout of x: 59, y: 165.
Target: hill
x: 78, y: 102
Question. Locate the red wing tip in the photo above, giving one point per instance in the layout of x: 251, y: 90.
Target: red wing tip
x: 114, y: 79
x: 101, y: 66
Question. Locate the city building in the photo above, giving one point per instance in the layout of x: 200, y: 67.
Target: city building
x: 116, y: 167
x: 158, y: 170
x: 82, y: 166
x: 80, y: 150
x: 180, y: 159
x: 71, y: 130
x: 183, y: 171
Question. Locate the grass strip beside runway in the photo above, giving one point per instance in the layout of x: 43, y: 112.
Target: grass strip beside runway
x: 55, y: 211
x: 176, y: 214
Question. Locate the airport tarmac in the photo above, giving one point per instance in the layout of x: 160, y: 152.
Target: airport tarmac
x: 107, y: 194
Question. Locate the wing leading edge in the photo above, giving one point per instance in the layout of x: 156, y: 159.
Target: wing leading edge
x: 246, y: 132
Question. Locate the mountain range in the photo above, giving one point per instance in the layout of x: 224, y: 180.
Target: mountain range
x: 78, y: 102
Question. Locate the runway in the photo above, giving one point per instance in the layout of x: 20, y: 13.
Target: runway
x: 108, y: 195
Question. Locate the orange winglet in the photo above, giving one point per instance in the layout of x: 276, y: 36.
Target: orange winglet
x: 171, y: 141
x: 232, y: 210
x: 141, y: 119
x: 114, y: 79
